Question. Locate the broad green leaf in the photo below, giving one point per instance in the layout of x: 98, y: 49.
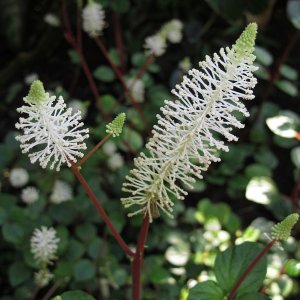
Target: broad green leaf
x: 208, y: 290
x: 287, y: 87
x: 231, y: 264
x: 295, y: 156
x: 293, y: 12
x: 285, y: 124
x: 255, y: 170
x: 289, y: 72
x: 262, y: 190
x: 18, y: 273
x: 74, y: 295
x: 104, y: 73
x: 108, y: 102
x: 86, y: 231
x: 13, y: 232
x: 251, y: 296
x: 263, y: 56
x: 84, y: 270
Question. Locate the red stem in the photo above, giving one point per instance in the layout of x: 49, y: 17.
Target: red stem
x: 77, y: 46
x: 87, y: 156
x: 136, y: 265
x: 121, y: 78
x: 119, y: 41
x: 249, y: 269
x: 144, y: 67
x: 101, y: 211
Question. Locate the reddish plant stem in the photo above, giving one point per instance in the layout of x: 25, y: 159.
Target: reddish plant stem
x: 119, y: 41
x: 101, y: 211
x: 249, y: 269
x: 119, y: 75
x: 51, y: 291
x: 294, y: 195
x: 77, y: 47
x: 144, y: 67
x: 87, y: 156
x: 297, y: 137
x: 136, y: 265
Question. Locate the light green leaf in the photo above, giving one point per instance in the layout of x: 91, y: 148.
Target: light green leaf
x: 74, y: 295
x: 104, y: 73
x: 208, y: 290
x: 263, y: 56
x: 285, y: 124
x: 287, y: 87
x: 295, y: 156
x: 288, y: 72
x: 84, y: 270
x: 293, y: 12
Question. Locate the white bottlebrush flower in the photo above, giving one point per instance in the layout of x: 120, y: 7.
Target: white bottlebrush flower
x: 93, y: 17
x: 155, y: 44
x: 51, y: 132
x: 137, y: 89
x: 187, y: 137
x: 43, y: 277
x: 62, y: 192
x: 172, y: 30
x: 29, y: 195
x: 115, y: 161
x: 18, y: 177
x: 109, y: 148
x: 44, y: 244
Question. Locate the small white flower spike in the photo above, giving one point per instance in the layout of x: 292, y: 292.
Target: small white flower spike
x: 155, y: 44
x: 44, y: 245
x: 187, y: 137
x: 51, y: 132
x: 93, y: 17
x: 137, y: 89
x: 18, y: 177
x: 29, y: 195
x: 115, y: 161
x: 43, y: 277
x: 62, y: 192
x: 173, y: 31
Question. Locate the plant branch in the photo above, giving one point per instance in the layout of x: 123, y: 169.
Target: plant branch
x: 119, y: 40
x: 136, y: 265
x: 101, y: 211
x: 119, y: 75
x: 87, y: 156
x: 249, y: 269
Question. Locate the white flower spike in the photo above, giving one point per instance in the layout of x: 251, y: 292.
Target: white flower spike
x: 52, y: 133
x: 44, y: 244
x: 93, y: 17
x: 188, y: 133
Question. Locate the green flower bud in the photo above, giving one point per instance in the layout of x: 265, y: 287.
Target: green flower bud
x: 115, y: 127
x: 37, y: 92
x: 282, y: 230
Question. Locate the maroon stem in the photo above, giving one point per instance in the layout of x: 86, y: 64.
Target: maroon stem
x: 76, y: 44
x: 119, y: 41
x: 144, y: 67
x: 136, y: 265
x: 249, y: 269
x: 87, y: 156
x: 101, y: 211
x: 119, y: 75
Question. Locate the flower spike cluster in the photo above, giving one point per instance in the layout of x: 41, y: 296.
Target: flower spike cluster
x: 282, y: 230
x: 188, y: 135
x: 52, y: 133
x: 116, y: 126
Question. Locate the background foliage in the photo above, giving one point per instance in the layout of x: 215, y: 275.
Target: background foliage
x: 256, y: 184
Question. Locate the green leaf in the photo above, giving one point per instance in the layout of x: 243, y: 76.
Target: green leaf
x: 86, y: 232
x: 132, y: 138
x: 262, y: 190
x: 18, y: 273
x: 63, y: 270
x: 84, y: 270
x: 13, y: 233
x: 292, y: 268
x: 255, y: 170
x: 104, y: 73
x: 120, y: 6
x: 74, y: 57
x: 231, y: 264
x: 263, y: 56
x: 114, y: 55
x: 208, y: 290
x: 94, y: 248
x: 287, y: 87
x: 284, y: 124
x: 293, y: 12
x: 295, y: 156
x: 288, y: 72
x: 74, y: 295
x: 251, y: 296
x: 108, y: 102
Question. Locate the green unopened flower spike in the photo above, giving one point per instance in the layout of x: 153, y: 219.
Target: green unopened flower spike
x: 37, y: 92
x: 115, y: 127
x: 282, y: 230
